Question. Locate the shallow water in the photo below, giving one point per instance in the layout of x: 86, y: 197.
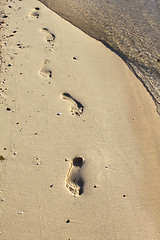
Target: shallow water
x: 130, y: 28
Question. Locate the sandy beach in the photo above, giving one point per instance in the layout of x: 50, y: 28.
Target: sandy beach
x: 80, y: 135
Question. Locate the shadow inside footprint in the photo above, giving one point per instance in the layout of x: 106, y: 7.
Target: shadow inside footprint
x: 45, y: 71
x: 34, y: 13
x: 49, y: 36
x: 78, y: 161
x: 77, y: 108
x: 74, y: 181
x: 81, y: 184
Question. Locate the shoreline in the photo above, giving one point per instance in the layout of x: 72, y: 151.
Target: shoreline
x: 72, y: 109
x: 80, y: 16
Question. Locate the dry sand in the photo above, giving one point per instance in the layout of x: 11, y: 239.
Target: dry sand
x: 64, y: 95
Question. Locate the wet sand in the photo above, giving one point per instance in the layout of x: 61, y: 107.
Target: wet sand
x: 79, y: 145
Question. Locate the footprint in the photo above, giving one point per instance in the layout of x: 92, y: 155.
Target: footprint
x: 35, y: 13
x: 49, y: 37
x: 74, y: 182
x: 76, y: 107
x: 44, y: 71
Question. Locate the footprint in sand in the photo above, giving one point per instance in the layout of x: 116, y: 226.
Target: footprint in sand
x: 35, y: 13
x: 74, y: 181
x: 76, y: 107
x: 45, y: 71
x: 49, y: 37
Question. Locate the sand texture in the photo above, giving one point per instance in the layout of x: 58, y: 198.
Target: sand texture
x: 79, y: 135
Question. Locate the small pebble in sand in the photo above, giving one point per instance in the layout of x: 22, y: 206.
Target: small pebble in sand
x: 5, y: 16
x: 38, y: 163
x: 8, y: 109
x: 133, y: 118
x: 2, y: 199
x: 51, y: 185
x: 106, y: 166
x: 5, y: 148
x: 95, y: 186
x: 20, y: 213
x: 2, y: 158
x: 15, y: 153
x: 75, y: 58
x: 68, y: 221
x: 124, y: 195
x: 58, y: 114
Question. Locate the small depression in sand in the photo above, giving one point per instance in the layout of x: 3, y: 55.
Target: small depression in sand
x: 35, y: 13
x: 45, y: 71
x: 74, y: 181
x: 76, y: 107
x: 49, y: 37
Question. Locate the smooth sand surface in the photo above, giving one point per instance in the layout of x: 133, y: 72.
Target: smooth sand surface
x: 79, y: 133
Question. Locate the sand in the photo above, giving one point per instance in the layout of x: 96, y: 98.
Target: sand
x: 79, y: 133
